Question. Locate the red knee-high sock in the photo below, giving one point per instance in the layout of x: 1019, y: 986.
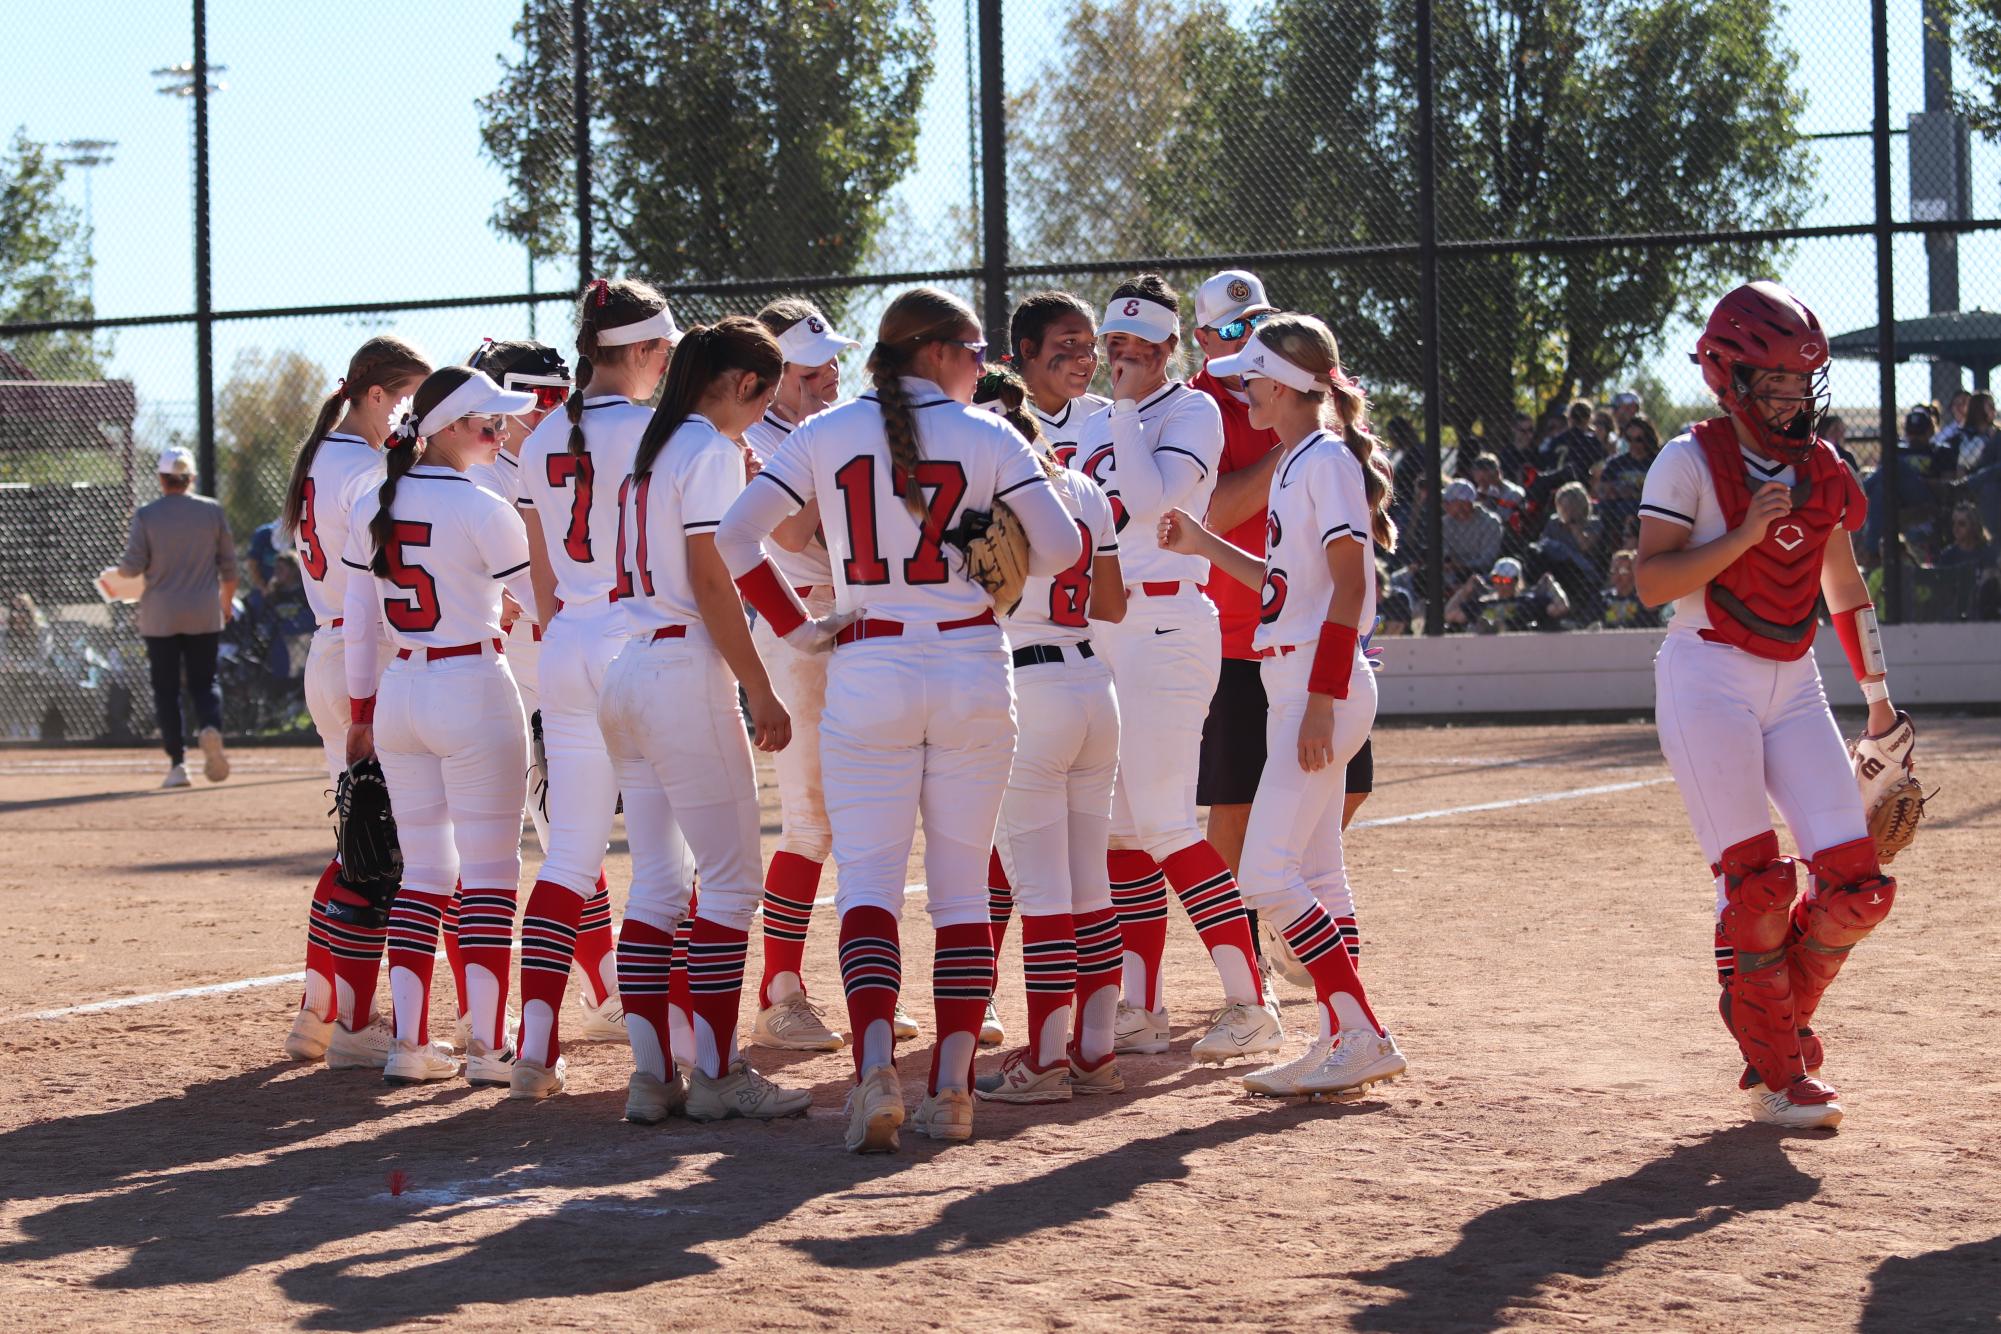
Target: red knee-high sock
x: 645, y: 971
x: 872, y: 975
x: 486, y: 941
x: 1316, y: 940
x: 1208, y: 891
x: 791, y: 883
x: 715, y: 992
x: 1139, y: 897
x: 319, y: 955
x: 678, y: 996
x: 1000, y: 899
x: 455, y: 957
x: 595, y: 943
x: 355, y: 932
x: 962, y: 977
x: 413, y: 957
x: 1098, y: 968
x: 548, y: 941
x: 1049, y: 968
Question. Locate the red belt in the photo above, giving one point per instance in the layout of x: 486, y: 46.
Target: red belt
x: 337, y: 622
x: 1279, y: 652
x: 668, y: 632
x: 455, y: 651
x: 535, y: 628
x: 1166, y: 588
x: 867, y: 629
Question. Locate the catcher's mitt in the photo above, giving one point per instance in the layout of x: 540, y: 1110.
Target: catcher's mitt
x: 371, y: 859
x: 996, y: 550
x: 1891, y: 797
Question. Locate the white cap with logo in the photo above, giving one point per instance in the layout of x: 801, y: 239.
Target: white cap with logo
x: 176, y: 462
x: 1230, y: 295
x: 811, y: 343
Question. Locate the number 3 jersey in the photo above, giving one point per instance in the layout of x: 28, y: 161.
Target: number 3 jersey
x: 1318, y: 497
x: 1055, y: 610
x: 693, y: 481
x: 346, y: 472
x: 575, y: 496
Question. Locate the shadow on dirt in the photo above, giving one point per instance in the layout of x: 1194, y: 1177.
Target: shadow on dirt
x: 1957, y: 1288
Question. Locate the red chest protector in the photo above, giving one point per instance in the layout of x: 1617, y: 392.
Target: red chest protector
x: 1768, y: 600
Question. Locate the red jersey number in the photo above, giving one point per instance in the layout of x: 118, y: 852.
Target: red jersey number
x: 1070, y: 591
x: 1094, y: 468
x: 575, y: 471
x: 624, y: 587
x: 941, y: 482
x: 419, y: 612
x: 311, y: 554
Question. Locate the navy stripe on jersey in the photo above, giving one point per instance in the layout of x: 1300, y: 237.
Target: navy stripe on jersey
x: 606, y: 403
x: 1172, y: 385
x: 512, y: 569
x: 781, y: 486
x: 1292, y: 459
x: 508, y: 459
x: 1667, y: 513
x: 927, y: 403
x: 1336, y: 531
x: 694, y: 524
x: 1010, y: 490
x: 777, y: 425
x: 352, y: 566
x: 1176, y: 449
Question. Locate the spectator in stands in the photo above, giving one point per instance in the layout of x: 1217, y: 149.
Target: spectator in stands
x: 1834, y: 430
x: 1625, y: 473
x: 260, y: 555
x: 1619, y: 605
x: 27, y: 641
x: 1976, y: 433
x: 1626, y: 405
x: 181, y: 543
x: 1566, y: 456
x: 1606, y: 428
x: 1499, y: 495
x: 1954, y: 426
x: 1499, y: 602
x: 1575, y: 526
x: 1914, y: 497
x: 1393, y: 607
x: 1518, y: 453
x: 1472, y: 535
x: 1970, y: 543
x: 1410, y: 472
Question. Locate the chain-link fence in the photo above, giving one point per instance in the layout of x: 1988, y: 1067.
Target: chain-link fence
x: 1512, y: 212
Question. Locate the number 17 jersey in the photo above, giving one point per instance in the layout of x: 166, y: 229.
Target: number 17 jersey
x: 1055, y: 610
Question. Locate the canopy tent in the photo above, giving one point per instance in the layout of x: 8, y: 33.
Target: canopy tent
x: 1969, y: 338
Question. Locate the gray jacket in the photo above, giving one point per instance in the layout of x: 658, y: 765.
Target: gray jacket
x: 181, y: 544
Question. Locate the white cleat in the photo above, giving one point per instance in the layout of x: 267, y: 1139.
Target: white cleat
x: 309, y: 1036
x: 419, y: 1063
x: 795, y: 1024
x: 875, y: 1110
x: 365, y: 1048
x: 602, y: 1023
x: 1277, y: 957
x: 177, y: 776
x: 1357, y: 1059
x: 1104, y: 1077
x: 214, y: 763
x: 650, y: 1100
x: 902, y: 1025
x: 1238, y: 1031
x: 1773, y: 1108
x: 1018, y: 1081
x: 462, y: 1031
x: 1282, y: 1081
x: 1137, y: 1032
x: 742, y: 1092
x: 527, y: 1080
x: 487, y: 1068
x: 991, y: 1032
x: 946, y: 1114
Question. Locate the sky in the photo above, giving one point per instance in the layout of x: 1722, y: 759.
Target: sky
x: 346, y: 168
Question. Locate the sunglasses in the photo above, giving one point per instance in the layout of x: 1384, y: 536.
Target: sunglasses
x: 1236, y: 329
x: 976, y: 346
x: 551, y: 391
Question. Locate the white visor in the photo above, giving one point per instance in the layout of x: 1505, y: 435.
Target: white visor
x: 811, y: 343
x: 1142, y: 316
x: 1257, y: 359
x: 476, y: 395
x: 660, y: 324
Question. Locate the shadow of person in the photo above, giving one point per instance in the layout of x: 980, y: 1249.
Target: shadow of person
x: 1958, y: 1288
x: 1504, y: 1255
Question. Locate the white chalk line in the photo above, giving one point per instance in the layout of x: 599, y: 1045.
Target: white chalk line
x: 278, y: 979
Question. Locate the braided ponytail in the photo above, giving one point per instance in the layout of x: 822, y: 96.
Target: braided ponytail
x: 1309, y: 344
x: 607, y: 303
x: 385, y: 361
x: 921, y: 315
x: 1002, y: 384
x: 402, y: 451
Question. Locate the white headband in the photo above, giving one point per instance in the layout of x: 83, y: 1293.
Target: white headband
x: 1257, y: 359
x: 660, y: 324
x: 477, y: 394
x: 1142, y: 316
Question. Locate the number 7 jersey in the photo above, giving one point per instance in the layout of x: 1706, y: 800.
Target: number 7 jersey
x: 575, y: 496
x: 1055, y: 610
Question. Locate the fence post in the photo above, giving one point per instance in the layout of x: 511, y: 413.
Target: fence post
x: 993, y: 166
x: 204, y: 305
x: 580, y: 48
x: 1886, y: 319
x: 1427, y: 323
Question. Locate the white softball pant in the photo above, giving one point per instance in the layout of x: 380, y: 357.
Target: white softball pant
x: 577, y: 647
x: 1737, y: 729
x: 1056, y: 817
x: 326, y: 694
x: 524, y: 659
x: 454, y: 748
x: 1165, y: 658
x: 800, y: 679
x: 682, y: 756
x: 917, y: 725
x: 1292, y: 846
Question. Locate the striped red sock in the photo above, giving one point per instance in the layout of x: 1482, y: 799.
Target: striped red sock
x: 548, y: 941
x: 1139, y: 897
x: 455, y: 957
x: 1098, y: 968
x: 715, y: 992
x: 413, y: 958
x: 680, y: 1004
x: 595, y: 944
x: 962, y: 978
x: 872, y: 975
x: 486, y: 939
x: 1351, y: 939
x: 1202, y: 880
x: 320, y: 995
x: 791, y: 883
x: 1049, y: 966
x: 1316, y: 940
x: 355, y: 932
x: 1000, y: 899
x: 645, y: 969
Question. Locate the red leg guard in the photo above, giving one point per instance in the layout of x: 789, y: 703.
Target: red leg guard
x: 1849, y: 896
x: 1758, y: 890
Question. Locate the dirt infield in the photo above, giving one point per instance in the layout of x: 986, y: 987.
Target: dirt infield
x: 1567, y: 1150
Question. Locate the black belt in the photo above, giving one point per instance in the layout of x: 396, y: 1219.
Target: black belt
x: 1040, y: 653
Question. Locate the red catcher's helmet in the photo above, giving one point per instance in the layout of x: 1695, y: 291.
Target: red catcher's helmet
x: 1757, y: 328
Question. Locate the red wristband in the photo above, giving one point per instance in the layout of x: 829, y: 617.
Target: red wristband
x: 1333, y: 661
x: 775, y: 602
x: 361, y: 711
x: 1848, y: 629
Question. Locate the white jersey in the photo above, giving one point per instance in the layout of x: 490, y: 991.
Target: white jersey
x: 576, y: 495
x: 883, y: 563
x: 346, y: 470
x: 802, y: 569
x: 693, y: 480
x: 1679, y: 490
x: 1055, y: 610
x: 1318, y: 497
x: 1182, y: 430
x: 502, y: 477
x: 454, y: 544
x: 1062, y: 430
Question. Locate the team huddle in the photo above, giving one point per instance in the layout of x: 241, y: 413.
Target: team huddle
x: 981, y: 600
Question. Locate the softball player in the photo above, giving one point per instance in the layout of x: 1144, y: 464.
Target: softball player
x: 1329, y: 500
x: 1154, y: 449
x: 338, y: 466
x: 571, y: 467
x: 919, y: 714
x: 1056, y: 817
x: 1053, y: 340
x: 1743, y: 525
x: 429, y: 555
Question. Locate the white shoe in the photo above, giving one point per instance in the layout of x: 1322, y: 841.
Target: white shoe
x: 366, y: 1048
x: 742, y: 1092
x: 991, y: 1032
x: 487, y: 1068
x: 411, y: 1063
x: 875, y: 1110
x: 1774, y: 1108
x: 1018, y: 1081
x: 1137, y: 1032
x: 649, y: 1101
x: 309, y: 1036
x: 602, y: 1023
x: 1238, y: 1031
x: 527, y: 1081
x: 946, y: 1114
x: 902, y: 1025
x: 462, y: 1031
x: 1358, y: 1058
x: 1282, y: 1081
x: 1104, y: 1078
x: 215, y: 764
x: 1279, y: 958
x: 177, y: 776
x: 795, y: 1024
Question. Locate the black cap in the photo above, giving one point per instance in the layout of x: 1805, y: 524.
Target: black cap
x: 521, y: 357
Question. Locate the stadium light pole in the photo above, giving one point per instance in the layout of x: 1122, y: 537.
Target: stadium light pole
x: 191, y: 81
x: 87, y: 155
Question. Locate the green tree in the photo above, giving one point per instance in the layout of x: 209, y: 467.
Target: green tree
x: 1974, y: 27
x: 44, y: 264
x: 262, y: 412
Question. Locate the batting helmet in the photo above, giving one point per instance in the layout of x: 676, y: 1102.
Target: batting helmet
x: 1762, y: 328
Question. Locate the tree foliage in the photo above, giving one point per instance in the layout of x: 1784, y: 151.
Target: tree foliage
x: 1974, y: 27
x: 262, y: 412
x: 44, y: 263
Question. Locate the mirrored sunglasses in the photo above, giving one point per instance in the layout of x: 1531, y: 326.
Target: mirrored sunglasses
x: 1236, y: 329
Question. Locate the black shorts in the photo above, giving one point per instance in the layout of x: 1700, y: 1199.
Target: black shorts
x: 1233, y: 742
x: 1362, y: 769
